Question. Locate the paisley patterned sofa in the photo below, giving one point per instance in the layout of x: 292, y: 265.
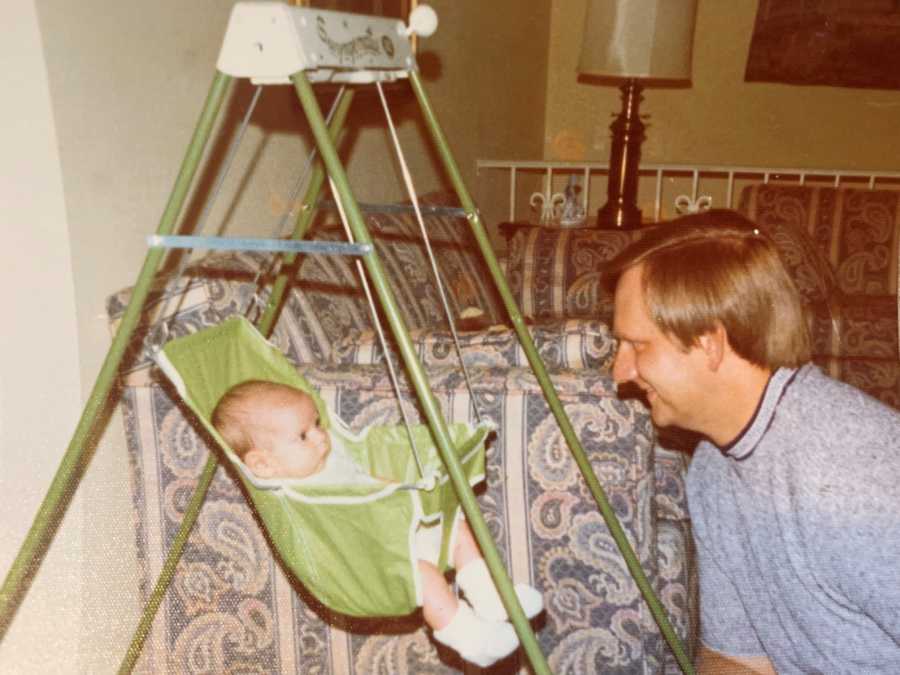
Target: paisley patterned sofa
x: 840, y: 245
x: 232, y: 608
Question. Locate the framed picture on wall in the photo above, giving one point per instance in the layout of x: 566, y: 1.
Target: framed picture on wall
x: 839, y: 43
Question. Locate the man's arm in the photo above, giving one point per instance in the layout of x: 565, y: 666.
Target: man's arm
x: 710, y: 662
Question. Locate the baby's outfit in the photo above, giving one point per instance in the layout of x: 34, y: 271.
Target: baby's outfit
x: 340, y: 469
x: 480, y: 630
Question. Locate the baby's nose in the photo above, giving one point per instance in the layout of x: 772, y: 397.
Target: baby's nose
x: 316, y: 434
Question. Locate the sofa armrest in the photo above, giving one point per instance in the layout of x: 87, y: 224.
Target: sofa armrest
x: 557, y: 273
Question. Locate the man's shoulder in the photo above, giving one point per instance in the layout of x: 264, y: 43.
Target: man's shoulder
x: 821, y: 399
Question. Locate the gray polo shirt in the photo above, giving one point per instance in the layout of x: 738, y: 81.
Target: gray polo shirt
x: 797, y: 526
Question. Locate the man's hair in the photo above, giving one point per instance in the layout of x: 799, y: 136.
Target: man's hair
x: 233, y: 416
x: 713, y: 268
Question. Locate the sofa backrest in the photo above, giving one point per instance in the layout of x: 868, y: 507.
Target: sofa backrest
x: 332, y: 289
x: 854, y: 230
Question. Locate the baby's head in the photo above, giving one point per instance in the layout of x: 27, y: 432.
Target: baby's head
x: 274, y: 429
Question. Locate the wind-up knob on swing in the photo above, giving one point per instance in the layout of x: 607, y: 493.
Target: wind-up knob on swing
x: 423, y: 21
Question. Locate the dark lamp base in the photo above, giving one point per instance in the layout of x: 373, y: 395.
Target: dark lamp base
x: 619, y: 217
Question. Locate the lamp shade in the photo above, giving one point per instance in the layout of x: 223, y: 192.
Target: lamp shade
x: 649, y: 39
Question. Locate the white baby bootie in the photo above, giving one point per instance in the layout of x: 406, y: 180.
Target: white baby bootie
x: 475, y: 581
x: 477, y: 640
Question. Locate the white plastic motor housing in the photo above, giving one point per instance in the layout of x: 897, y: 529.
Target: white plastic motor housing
x: 268, y: 42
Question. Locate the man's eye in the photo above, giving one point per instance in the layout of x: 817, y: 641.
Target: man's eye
x: 318, y: 422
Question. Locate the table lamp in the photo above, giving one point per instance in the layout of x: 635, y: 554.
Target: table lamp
x: 634, y: 43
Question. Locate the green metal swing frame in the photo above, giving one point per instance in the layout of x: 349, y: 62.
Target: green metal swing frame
x: 88, y: 429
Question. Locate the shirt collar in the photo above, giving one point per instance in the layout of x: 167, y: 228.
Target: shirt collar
x: 745, y: 443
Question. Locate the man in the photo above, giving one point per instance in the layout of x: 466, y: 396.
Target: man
x: 794, y: 491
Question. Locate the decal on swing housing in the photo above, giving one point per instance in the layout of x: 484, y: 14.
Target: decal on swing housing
x: 270, y: 41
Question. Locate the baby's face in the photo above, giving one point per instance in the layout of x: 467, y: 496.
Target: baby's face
x: 290, y: 432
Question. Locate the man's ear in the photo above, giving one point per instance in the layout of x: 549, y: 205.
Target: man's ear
x: 259, y: 463
x: 714, y: 344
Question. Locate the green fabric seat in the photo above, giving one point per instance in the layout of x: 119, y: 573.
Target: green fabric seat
x: 352, y: 546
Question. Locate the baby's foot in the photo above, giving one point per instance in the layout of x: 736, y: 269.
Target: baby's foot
x: 475, y: 581
x: 477, y: 640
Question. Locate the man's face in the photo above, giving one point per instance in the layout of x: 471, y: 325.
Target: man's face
x: 671, y: 376
x: 289, y: 430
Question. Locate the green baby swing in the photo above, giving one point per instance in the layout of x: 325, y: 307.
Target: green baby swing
x: 352, y: 546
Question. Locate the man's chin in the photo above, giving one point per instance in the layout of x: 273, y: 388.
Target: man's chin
x: 660, y: 416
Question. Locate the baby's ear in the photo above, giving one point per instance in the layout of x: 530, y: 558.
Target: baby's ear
x: 259, y: 463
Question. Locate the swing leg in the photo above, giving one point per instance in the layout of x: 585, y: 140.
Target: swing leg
x: 76, y: 458
x: 304, y: 219
x: 547, y: 387
x: 417, y: 375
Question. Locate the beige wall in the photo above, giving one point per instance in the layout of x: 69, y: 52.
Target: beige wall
x: 39, y: 377
x: 126, y: 83
x: 721, y: 119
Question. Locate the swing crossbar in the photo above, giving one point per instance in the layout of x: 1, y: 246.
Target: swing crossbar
x: 425, y: 209
x: 257, y: 244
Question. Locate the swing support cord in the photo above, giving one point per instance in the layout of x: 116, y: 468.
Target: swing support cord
x: 376, y: 322
x: 276, y: 263
x: 336, y: 117
x: 411, y: 191
x: 160, y: 334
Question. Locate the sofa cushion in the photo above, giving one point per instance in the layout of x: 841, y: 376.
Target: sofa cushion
x: 857, y: 327
x: 584, y: 345
x: 805, y: 262
x: 856, y: 230
x: 574, y: 344
x: 556, y: 273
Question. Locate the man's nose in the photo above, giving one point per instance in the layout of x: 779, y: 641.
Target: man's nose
x: 623, y: 369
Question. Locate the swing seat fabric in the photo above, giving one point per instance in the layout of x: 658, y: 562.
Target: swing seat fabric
x: 351, y: 545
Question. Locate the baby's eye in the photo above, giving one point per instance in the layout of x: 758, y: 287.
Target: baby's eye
x: 303, y: 436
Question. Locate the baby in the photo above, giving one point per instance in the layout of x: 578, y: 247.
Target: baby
x: 276, y: 431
